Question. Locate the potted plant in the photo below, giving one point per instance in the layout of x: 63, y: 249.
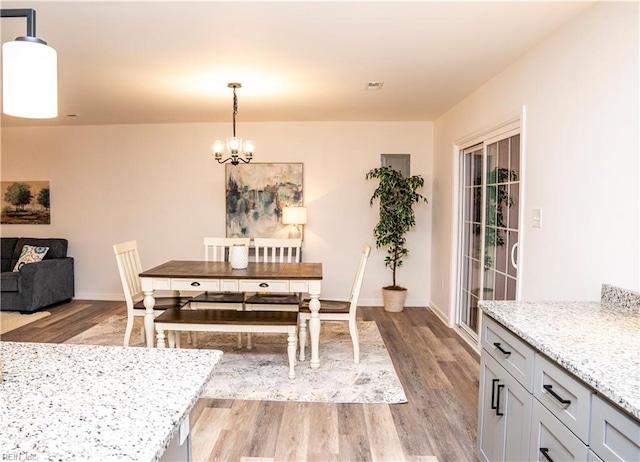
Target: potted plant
x: 397, y: 195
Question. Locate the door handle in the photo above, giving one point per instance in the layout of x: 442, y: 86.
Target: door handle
x: 502, y: 350
x: 493, y: 392
x: 545, y: 453
x: 549, y: 389
x: 514, y: 263
x: 500, y: 387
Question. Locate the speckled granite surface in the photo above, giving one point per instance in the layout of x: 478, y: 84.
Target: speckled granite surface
x: 96, y: 403
x: 596, y: 341
x: 620, y: 299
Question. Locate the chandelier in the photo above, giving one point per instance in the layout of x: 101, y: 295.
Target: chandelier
x: 235, y: 147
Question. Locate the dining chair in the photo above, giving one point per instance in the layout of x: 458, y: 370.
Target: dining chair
x: 129, y: 267
x: 271, y: 250
x: 334, y: 310
x: 219, y: 249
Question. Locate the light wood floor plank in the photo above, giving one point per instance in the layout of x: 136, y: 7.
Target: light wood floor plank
x: 383, y: 438
x: 293, y: 440
x: 206, y: 431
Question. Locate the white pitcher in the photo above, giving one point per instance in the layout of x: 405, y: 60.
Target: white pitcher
x: 239, y: 256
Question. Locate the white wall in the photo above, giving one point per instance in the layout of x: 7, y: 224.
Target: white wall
x: 159, y: 184
x: 580, y: 88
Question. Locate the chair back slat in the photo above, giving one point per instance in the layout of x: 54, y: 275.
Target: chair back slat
x: 129, y: 268
x: 270, y: 250
x: 217, y: 248
x: 357, y: 282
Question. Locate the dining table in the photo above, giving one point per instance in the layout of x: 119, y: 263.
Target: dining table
x: 215, y: 276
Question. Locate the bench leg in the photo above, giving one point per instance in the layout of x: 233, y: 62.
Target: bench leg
x: 291, y: 350
x: 303, y: 336
x: 160, y: 338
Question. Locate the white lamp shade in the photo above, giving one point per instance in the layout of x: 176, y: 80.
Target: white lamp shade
x: 294, y: 215
x: 29, y: 80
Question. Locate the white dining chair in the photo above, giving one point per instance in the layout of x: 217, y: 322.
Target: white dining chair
x: 129, y: 267
x: 219, y: 249
x: 334, y: 310
x: 271, y: 250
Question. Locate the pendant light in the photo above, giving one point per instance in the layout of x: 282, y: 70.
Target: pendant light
x: 235, y: 147
x: 29, y: 73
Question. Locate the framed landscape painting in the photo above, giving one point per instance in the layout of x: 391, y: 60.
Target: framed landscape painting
x: 257, y: 193
x: 25, y: 203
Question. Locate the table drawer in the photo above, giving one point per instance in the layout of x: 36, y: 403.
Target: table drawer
x: 264, y: 286
x: 511, y: 353
x: 196, y: 284
x: 566, y: 397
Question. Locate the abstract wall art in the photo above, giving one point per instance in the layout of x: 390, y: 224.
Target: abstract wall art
x: 256, y: 195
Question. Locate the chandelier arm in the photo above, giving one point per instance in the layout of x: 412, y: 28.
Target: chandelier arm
x: 233, y: 160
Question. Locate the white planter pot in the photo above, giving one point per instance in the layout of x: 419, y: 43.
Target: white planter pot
x: 393, y: 300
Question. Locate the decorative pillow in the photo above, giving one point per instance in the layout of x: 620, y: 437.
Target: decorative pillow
x: 30, y: 254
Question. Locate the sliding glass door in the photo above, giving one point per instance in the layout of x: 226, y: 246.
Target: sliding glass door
x: 490, y: 197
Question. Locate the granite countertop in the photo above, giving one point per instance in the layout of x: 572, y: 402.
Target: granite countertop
x: 599, y: 342
x: 96, y: 403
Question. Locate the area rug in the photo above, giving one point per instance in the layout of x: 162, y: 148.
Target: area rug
x: 10, y: 320
x: 261, y: 373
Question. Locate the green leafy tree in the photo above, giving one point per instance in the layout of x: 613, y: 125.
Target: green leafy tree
x: 43, y: 198
x: 397, y: 195
x: 18, y: 195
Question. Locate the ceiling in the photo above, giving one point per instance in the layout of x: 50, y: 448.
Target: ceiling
x: 170, y: 62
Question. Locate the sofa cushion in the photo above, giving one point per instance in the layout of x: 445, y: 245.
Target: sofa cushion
x: 57, y: 247
x: 7, y: 244
x: 9, y: 281
x: 30, y: 254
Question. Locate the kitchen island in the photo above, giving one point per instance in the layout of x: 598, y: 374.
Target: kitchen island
x: 98, y: 403
x: 561, y: 380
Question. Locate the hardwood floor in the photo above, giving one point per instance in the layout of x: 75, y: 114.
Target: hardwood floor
x: 438, y: 371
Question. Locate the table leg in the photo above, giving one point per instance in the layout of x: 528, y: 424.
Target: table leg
x: 314, y: 330
x: 149, y: 302
x: 291, y: 351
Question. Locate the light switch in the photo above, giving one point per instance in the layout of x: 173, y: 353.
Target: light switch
x: 536, y: 220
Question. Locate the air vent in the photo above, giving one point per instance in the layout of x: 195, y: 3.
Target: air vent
x: 373, y: 86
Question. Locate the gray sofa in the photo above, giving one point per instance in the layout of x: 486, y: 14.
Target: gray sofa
x: 35, y: 285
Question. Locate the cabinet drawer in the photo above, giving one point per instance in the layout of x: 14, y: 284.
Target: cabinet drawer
x: 264, y: 286
x: 565, y: 396
x: 550, y: 436
x: 614, y: 434
x: 196, y: 284
x: 511, y: 352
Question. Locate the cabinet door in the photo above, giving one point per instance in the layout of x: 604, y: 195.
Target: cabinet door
x: 505, y: 414
x: 517, y: 413
x: 491, y: 425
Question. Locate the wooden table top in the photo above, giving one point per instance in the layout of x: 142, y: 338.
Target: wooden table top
x: 222, y: 270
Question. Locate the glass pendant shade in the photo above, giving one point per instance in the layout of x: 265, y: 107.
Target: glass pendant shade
x: 29, y: 79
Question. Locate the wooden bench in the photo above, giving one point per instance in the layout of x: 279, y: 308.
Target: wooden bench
x: 178, y: 320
